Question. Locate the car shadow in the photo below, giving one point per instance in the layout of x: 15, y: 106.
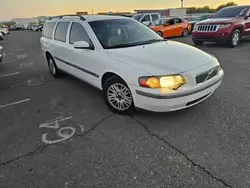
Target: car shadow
x: 172, y: 114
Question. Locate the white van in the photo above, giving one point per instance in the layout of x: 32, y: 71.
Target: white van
x: 147, y: 19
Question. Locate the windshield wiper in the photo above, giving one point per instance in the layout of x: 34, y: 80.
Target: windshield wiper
x: 152, y: 41
x: 122, y: 45
x: 135, y: 43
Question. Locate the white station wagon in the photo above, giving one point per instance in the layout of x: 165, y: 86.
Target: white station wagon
x: 132, y: 65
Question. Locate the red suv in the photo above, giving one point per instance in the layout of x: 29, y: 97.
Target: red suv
x: 230, y: 24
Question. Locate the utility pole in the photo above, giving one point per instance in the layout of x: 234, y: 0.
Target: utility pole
x: 182, y: 3
x: 92, y: 11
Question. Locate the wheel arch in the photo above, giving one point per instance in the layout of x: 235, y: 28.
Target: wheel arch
x: 240, y: 28
x: 108, y: 75
x: 48, y: 54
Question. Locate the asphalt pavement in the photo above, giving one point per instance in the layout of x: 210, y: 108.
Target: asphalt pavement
x: 58, y: 133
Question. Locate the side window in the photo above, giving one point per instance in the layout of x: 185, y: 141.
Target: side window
x: 78, y: 33
x: 145, y: 18
x: 61, y: 31
x: 171, y: 22
x: 48, y: 30
x: 155, y: 17
x: 178, y: 20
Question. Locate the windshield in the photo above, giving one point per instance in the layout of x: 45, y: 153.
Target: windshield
x: 161, y: 22
x: 118, y: 33
x: 137, y: 17
x: 191, y: 19
x: 231, y: 12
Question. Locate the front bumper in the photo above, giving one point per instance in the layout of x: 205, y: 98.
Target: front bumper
x: 220, y: 35
x: 175, y: 101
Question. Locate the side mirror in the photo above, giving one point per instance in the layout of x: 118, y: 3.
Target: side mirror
x: 166, y: 24
x: 83, y: 45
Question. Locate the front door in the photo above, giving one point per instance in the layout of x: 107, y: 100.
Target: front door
x: 87, y: 63
x: 178, y: 27
x: 169, y: 29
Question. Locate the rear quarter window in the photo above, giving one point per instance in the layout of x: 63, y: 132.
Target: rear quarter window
x: 48, y: 30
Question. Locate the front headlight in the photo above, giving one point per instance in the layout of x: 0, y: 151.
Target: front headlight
x: 171, y: 82
x: 224, y: 26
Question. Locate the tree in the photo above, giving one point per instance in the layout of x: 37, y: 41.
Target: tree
x: 10, y: 23
x: 226, y: 5
x: 207, y: 9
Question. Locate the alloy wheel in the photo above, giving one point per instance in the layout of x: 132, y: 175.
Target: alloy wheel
x: 52, y: 67
x: 119, y: 96
x: 236, y: 38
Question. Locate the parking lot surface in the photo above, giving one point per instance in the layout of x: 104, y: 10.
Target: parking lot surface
x: 58, y: 133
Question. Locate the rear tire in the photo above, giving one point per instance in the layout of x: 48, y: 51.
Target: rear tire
x: 185, y: 32
x: 52, y: 67
x: 198, y: 42
x: 160, y: 34
x: 118, y: 96
x: 234, y: 38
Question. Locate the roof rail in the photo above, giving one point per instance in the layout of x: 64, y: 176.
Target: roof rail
x: 62, y: 16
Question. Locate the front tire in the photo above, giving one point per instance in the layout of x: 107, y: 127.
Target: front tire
x: 160, y: 34
x: 234, y: 38
x: 185, y: 32
x: 52, y: 67
x: 118, y: 96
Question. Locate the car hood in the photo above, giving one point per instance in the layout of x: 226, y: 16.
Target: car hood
x: 163, y: 57
x: 193, y: 22
x: 218, y: 20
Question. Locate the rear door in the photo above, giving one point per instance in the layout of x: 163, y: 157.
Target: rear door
x: 154, y: 18
x: 61, y: 51
x: 47, y: 43
x: 146, y: 19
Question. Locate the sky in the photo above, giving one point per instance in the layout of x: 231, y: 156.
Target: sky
x: 31, y: 8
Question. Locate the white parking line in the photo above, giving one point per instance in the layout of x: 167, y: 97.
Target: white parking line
x: 14, y: 103
x: 9, y: 54
x: 11, y: 74
x: 22, y: 56
x: 18, y: 85
x: 8, y: 62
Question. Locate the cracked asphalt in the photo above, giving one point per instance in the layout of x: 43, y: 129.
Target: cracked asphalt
x: 203, y: 146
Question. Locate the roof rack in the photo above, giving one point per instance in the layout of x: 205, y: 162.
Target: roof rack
x: 66, y: 15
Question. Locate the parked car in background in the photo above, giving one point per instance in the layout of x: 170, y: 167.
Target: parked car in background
x: 147, y: 19
x: 17, y: 27
x: 37, y: 28
x: 1, y: 36
x: 172, y: 27
x: 4, y: 30
x: 129, y: 63
x: 190, y: 18
x: 230, y: 24
x: 198, y: 19
x: 1, y: 53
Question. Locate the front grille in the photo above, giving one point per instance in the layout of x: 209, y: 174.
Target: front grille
x: 207, y: 28
x: 207, y: 75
